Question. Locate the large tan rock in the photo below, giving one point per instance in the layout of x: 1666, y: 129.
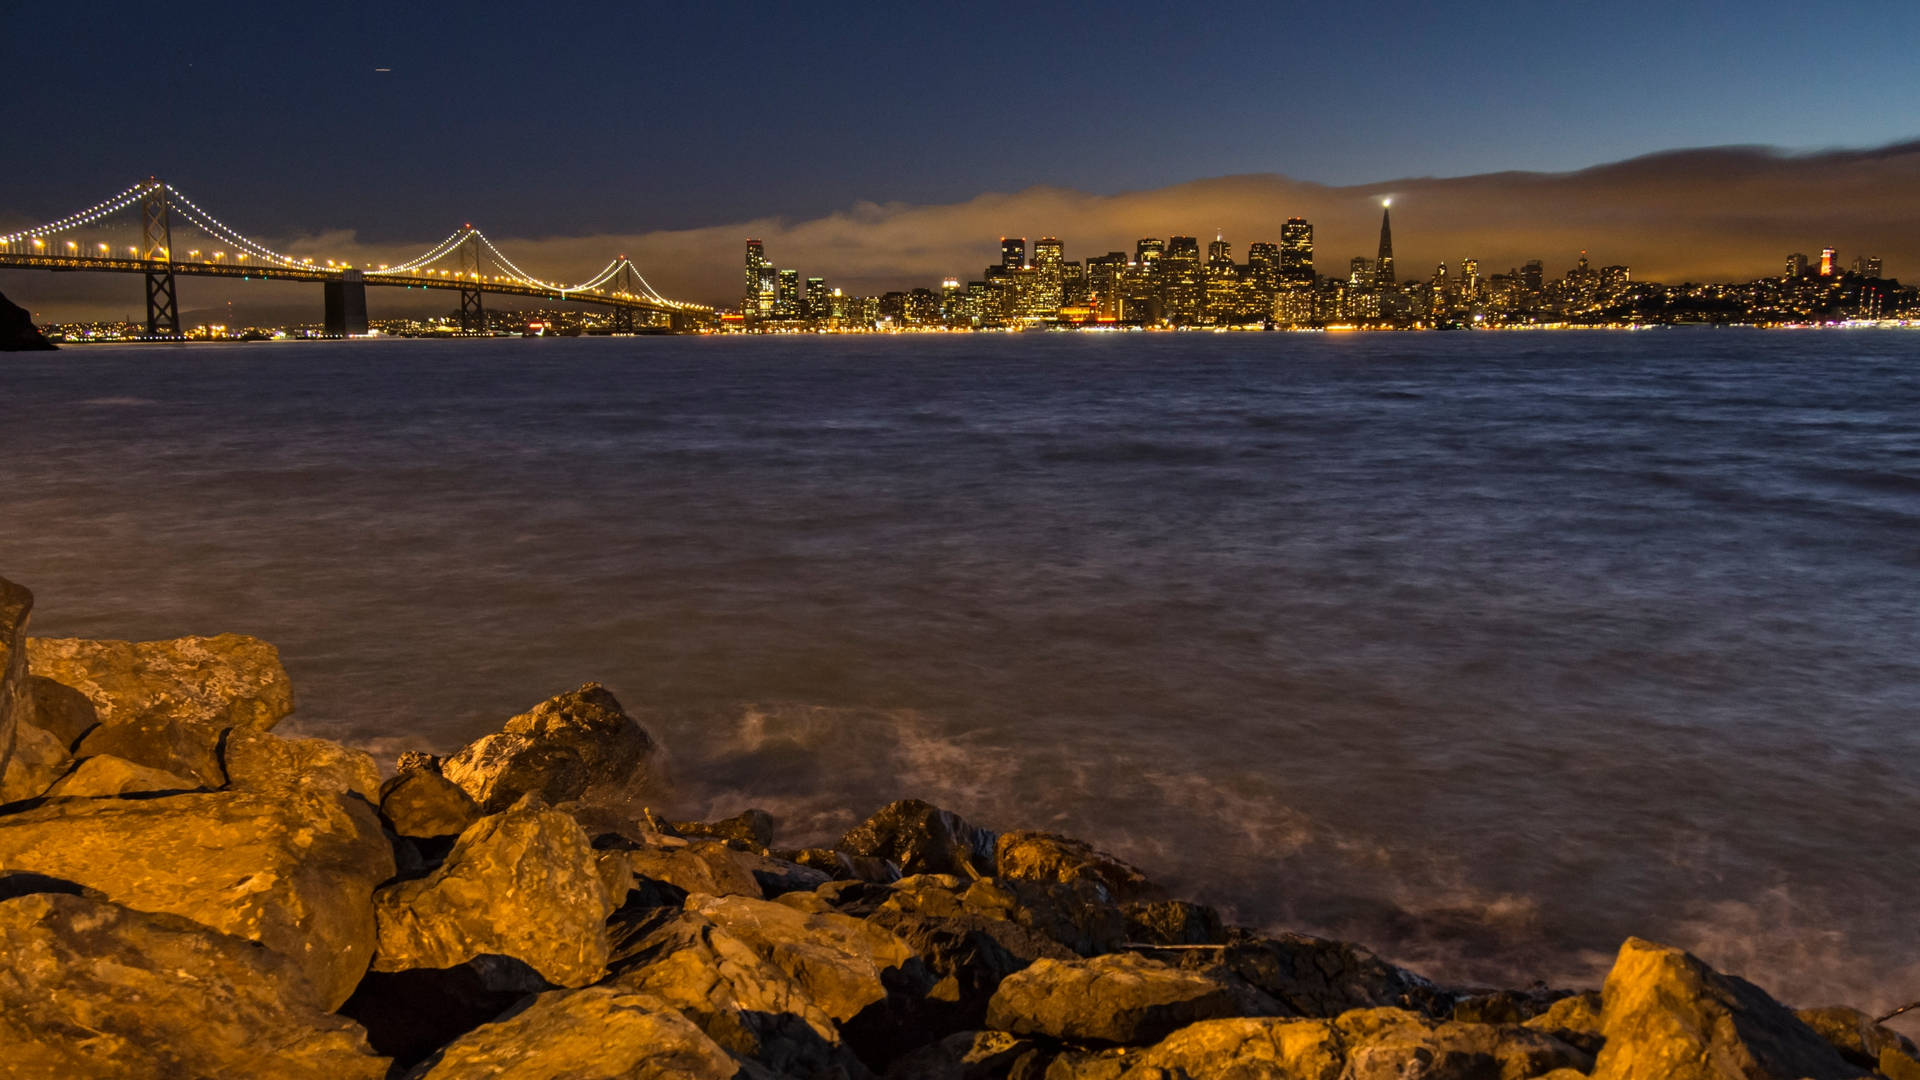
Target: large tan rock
x: 295, y: 873
x: 106, y: 776
x: 185, y: 747
x: 16, y: 701
x: 1865, y: 1042
x: 524, y: 884
x: 738, y: 997
x: 718, y: 868
x: 580, y: 745
x: 1121, y: 999
x: 226, y: 681
x: 1668, y: 1016
x: 94, y: 989
x: 61, y: 709
x: 421, y: 803
x: 38, y: 760
x: 922, y: 839
x: 599, y: 1033
x: 1249, y: 1048
x: 1389, y: 1044
x: 841, y: 962
x: 258, y: 760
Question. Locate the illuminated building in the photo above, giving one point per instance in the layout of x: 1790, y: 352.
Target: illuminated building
x: 1013, y: 252
x: 1105, y: 278
x: 1533, y: 276
x: 1867, y: 265
x: 756, y: 258
x: 1219, y: 256
x: 1360, y: 272
x: 1296, y: 251
x: 786, y: 304
x: 1383, y: 266
x: 1796, y: 265
x: 818, y: 304
x: 1469, y: 280
x: 1263, y: 266
x: 1826, y: 262
x: 1182, y: 286
x: 1148, y: 251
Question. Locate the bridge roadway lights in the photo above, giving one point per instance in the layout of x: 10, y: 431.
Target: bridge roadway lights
x: 346, y: 305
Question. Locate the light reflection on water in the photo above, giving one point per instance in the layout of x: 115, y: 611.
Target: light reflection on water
x: 1486, y: 649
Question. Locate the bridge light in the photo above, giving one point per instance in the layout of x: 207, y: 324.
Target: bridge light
x: 71, y: 246
x: 38, y: 243
x: 103, y: 250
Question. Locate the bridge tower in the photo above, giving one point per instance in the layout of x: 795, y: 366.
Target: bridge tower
x: 473, y: 316
x: 625, y: 316
x: 156, y: 233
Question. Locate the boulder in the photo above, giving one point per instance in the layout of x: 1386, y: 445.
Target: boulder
x: 697, y: 866
x: 1316, y: 977
x: 580, y: 745
x: 1050, y: 857
x: 1390, y: 1044
x: 1865, y: 1042
x: 523, y: 884
x: 61, y: 709
x: 16, y: 700
x: 749, y: 830
x: 91, y: 988
x: 39, y: 759
x: 1122, y: 1000
x: 841, y: 866
x: 601, y: 1033
x: 1248, y: 1049
x: 293, y: 872
x: 741, y: 1000
x: 1574, y: 1020
x: 226, y: 681
x: 424, y: 804
x: 262, y: 761
x: 1174, y: 922
x: 1669, y: 1016
x: 105, y: 776
x: 17, y: 332
x: 922, y: 839
x: 184, y: 747
x: 965, y: 1055
x: 844, y: 965
x: 1077, y: 914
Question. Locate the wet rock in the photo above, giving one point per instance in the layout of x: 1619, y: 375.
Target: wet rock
x: 697, y: 866
x: 1670, y: 1016
x: 183, y: 747
x: 841, y: 866
x: 1574, y: 1020
x: 1864, y: 1042
x: 580, y: 745
x: 523, y: 884
x: 61, y: 709
x: 106, y: 775
x: 599, y: 1033
x: 964, y: 1055
x: 1315, y: 977
x: 843, y: 964
x: 750, y: 830
x: 1122, y: 1000
x: 1050, y: 857
x: 16, y: 693
x: 410, y: 1014
x: 421, y: 803
x: 89, y: 988
x: 226, y: 681
x: 39, y: 759
x: 968, y: 950
x: 922, y: 839
x: 293, y: 872
x: 741, y: 1000
x: 1391, y: 1044
x: 1076, y: 914
x: 262, y: 761
x: 1174, y: 922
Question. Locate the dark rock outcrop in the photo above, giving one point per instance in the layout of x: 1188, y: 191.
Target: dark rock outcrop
x: 1052, y: 858
x: 922, y: 839
x: 94, y: 989
x: 17, y: 332
x: 523, y: 884
x: 16, y: 700
x: 580, y: 746
x: 294, y: 873
x: 1119, y: 1000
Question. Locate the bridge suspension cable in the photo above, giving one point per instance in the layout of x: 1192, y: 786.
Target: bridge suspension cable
x: 91, y: 214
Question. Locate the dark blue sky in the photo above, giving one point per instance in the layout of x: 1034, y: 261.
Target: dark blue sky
x: 564, y: 118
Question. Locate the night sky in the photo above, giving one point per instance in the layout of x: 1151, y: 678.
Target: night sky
x: 560, y: 120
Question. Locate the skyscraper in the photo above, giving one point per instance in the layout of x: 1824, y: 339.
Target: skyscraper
x: 817, y: 304
x: 1826, y: 262
x: 1296, y: 250
x: 1182, y: 287
x: 1383, y: 266
x: 756, y: 258
x: 1796, y: 264
x: 1013, y: 252
x: 786, y: 304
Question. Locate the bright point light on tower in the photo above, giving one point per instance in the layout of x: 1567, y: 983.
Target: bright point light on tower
x: 1386, y: 202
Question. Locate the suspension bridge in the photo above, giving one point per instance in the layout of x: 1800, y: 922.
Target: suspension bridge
x: 153, y: 230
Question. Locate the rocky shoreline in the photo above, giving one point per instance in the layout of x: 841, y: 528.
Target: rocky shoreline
x: 184, y: 893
